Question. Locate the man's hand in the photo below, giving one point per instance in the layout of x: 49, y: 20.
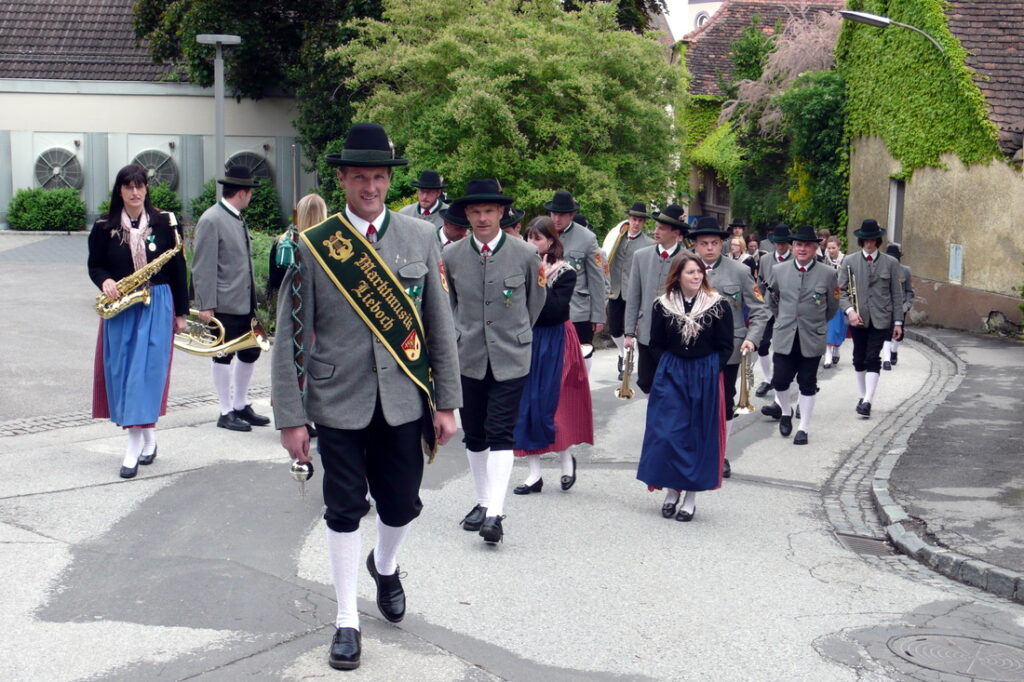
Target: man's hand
x: 747, y: 347
x: 444, y: 425
x: 180, y: 324
x: 598, y: 327
x: 897, y: 332
x: 206, y: 315
x: 628, y: 343
x: 295, y: 439
x: 854, y: 318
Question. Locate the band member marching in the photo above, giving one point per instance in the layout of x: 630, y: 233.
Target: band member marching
x: 804, y: 295
x: 454, y: 226
x: 621, y: 244
x: 779, y: 238
x: 429, y: 198
x: 381, y: 377
x: 874, y: 307
x: 497, y: 293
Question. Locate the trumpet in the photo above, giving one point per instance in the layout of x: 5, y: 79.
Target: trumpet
x: 624, y: 392
x: 851, y: 288
x: 206, y: 339
x: 743, y: 405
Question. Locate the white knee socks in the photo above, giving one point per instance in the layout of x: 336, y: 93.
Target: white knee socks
x: 148, y: 440
x: 534, y: 462
x: 241, y: 375
x: 871, y: 380
x: 887, y: 351
x: 343, y: 554
x: 385, y: 553
x: 671, y: 496
x: 766, y: 367
x: 565, y: 458
x: 785, y: 402
x: 862, y: 384
x: 620, y: 343
x: 828, y: 356
x: 478, y: 467
x: 499, y: 471
x: 806, y: 403
x: 587, y: 363
x: 689, y: 502
x: 133, y: 449
x: 222, y: 383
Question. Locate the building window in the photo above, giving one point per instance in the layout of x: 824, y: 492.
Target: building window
x: 897, y: 189
x: 701, y: 19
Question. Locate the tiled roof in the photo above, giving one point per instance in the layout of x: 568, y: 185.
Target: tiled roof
x: 708, y: 52
x: 991, y: 32
x: 73, y: 40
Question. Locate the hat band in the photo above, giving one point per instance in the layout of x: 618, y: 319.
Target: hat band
x: 366, y: 155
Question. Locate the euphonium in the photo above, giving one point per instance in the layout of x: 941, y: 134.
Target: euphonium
x: 624, y: 392
x: 134, y: 288
x: 206, y: 339
x: 743, y: 405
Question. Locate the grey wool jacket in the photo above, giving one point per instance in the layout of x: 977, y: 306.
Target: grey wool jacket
x: 584, y: 255
x: 733, y: 280
x: 879, y: 288
x: 495, y: 302
x: 803, y: 303
x: 347, y: 368
x: 221, y: 263
x: 434, y: 218
x: 646, y: 282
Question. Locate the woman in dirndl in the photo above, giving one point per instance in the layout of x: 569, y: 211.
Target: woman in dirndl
x: 555, y: 411
x: 837, y: 325
x: 684, y: 438
x: 133, y: 349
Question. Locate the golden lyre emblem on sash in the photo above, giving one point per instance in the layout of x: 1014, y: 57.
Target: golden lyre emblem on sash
x: 411, y: 346
x: 339, y: 247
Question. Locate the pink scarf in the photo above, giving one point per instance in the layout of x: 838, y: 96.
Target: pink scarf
x: 690, y: 323
x: 136, y: 237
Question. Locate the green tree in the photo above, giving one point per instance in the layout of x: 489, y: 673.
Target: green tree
x: 632, y: 15
x: 522, y: 91
x: 262, y: 215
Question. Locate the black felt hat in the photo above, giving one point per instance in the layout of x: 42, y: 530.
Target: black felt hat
x: 581, y: 219
x: 869, y: 229
x: 804, y: 233
x: 454, y: 215
x: 738, y: 222
x: 562, y: 202
x: 430, y: 179
x: 239, y: 176
x: 511, y: 217
x: 366, y: 146
x: 707, y: 226
x: 483, y: 191
x: 894, y: 250
x: 638, y: 210
x: 780, y: 234
x: 674, y: 216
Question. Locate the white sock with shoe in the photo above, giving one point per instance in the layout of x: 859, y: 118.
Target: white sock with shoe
x: 785, y: 402
x: 343, y: 554
x: 871, y: 381
x: 533, y: 461
x: 862, y: 384
x: 385, y: 553
x: 241, y: 375
x: 887, y: 351
x: 133, y: 449
x: 222, y: 383
x: 806, y: 403
x: 478, y: 466
x: 148, y: 440
x: 689, y: 504
x: 499, y: 471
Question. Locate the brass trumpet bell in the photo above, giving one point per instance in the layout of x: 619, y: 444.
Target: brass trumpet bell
x: 743, y: 405
x: 206, y: 339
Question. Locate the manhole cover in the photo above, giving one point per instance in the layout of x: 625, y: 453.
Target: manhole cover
x: 968, y: 656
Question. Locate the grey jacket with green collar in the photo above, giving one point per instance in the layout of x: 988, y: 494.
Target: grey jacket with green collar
x: 733, y: 280
x: 583, y: 253
x: 434, y: 218
x: 221, y: 263
x: 646, y: 282
x: 803, y: 303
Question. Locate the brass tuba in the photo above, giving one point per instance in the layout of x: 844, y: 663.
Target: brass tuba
x: 743, y: 405
x: 135, y: 287
x: 624, y: 392
x: 206, y: 339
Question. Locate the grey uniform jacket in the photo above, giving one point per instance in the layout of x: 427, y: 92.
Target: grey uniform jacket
x: 879, y: 288
x: 489, y: 331
x: 221, y: 263
x: 584, y: 255
x: 646, y: 283
x: 620, y: 262
x: 908, y: 289
x: 347, y: 369
x: 803, y: 303
x: 434, y: 218
x: 769, y: 261
x: 733, y: 280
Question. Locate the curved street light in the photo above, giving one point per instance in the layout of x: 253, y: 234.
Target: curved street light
x: 882, y: 22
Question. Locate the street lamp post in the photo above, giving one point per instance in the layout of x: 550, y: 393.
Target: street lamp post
x: 218, y: 39
x: 882, y: 22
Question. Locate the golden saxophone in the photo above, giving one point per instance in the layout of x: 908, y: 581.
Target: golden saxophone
x: 135, y: 287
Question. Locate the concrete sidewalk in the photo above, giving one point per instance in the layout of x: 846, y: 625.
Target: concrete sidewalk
x: 957, y: 491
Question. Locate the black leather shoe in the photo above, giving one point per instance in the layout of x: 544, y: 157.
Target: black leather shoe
x: 893, y: 358
x: 248, y: 415
x: 762, y: 389
x: 726, y: 470
x: 570, y: 481
x: 668, y: 510
x: 773, y: 410
x: 390, y: 595
x: 146, y: 460
x: 129, y: 472
x: 800, y: 438
x: 527, y: 489
x: 864, y: 409
x: 475, y: 518
x: 684, y: 515
x: 491, y: 530
x: 311, y: 430
x: 786, y: 425
x: 835, y: 360
x: 232, y: 422
x: 860, y: 401
x: 345, y: 649
x: 887, y: 366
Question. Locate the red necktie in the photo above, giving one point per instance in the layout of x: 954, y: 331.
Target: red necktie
x: 664, y: 254
x: 803, y: 269
x: 781, y: 259
x: 426, y: 211
x: 485, y: 251
x: 371, y: 234
x: 870, y: 258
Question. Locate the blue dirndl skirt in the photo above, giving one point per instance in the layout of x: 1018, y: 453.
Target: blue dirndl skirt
x: 837, y: 328
x: 682, y: 437
x: 535, y: 427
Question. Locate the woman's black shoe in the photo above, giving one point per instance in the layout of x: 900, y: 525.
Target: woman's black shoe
x: 129, y: 472
x: 726, y: 470
x: 668, y: 510
x: 148, y: 459
x: 527, y: 489
x: 684, y: 515
x: 569, y: 481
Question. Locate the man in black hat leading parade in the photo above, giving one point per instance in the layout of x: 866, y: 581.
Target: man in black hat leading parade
x: 587, y: 308
x: 381, y: 376
x: 621, y: 244
x: 872, y: 297
x: 497, y: 293
x: 224, y: 287
x: 429, y: 203
x: 780, y: 253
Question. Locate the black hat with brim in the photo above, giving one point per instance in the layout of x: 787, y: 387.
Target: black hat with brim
x: 239, y: 176
x: 454, y: 215
x: 512, y: 216
x: 367, y: 146
x: 869, y: 229
x: 780, y: 234
x: 707, y: 226
x: 562, y: 202
x: 804, y: 233
x: 638, y: 210
x: 894, y: 250
x: 483, y: 191
x: 739, y: 222
x: 430, y: 179
x: 673, y: 216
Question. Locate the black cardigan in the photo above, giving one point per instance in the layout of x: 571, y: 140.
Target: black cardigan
x: 714, y: 337
x: 556, y: 305
x: 110, y: 259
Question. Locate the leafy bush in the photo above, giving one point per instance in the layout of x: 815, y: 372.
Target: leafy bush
x: 162, y: 196
x: 262, y: 215
x: 47, y: 209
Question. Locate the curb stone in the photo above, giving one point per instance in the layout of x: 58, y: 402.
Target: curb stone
x: 999, y: 581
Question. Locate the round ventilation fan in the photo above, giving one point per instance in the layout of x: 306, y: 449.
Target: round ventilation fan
x: 256, y: 164
x: 160, y: 167
x: 58, y: 168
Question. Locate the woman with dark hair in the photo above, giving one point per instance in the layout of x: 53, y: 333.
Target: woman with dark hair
x: 684, y: 438
x: 133, y: 349
x: 555, y: 411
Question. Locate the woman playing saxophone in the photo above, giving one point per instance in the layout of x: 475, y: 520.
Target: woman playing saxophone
x: 133, y: 348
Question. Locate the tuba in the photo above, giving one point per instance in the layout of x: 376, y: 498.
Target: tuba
x: 743, y: 405
x: 206, y: 339
x: 134, y: 288
x: 624, y: 392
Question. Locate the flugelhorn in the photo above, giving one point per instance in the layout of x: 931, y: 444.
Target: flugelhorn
x: 624, y: 392
x: 207, y: 338
x: 743, y: 405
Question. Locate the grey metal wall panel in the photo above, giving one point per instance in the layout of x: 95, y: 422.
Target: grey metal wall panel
x: 6, y: 176
x: 95, y: 188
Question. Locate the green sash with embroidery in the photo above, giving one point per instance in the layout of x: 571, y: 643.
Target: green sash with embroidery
x: 380, y: 300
